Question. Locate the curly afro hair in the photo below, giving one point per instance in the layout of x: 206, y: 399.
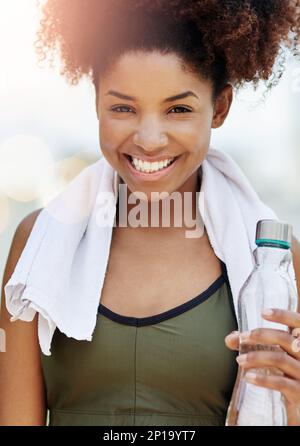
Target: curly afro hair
x: 233, y: 41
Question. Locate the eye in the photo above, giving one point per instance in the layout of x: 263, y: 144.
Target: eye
x: 115, y: 109
x: 178, y: 107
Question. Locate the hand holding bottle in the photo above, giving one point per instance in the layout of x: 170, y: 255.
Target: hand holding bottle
x: 267, y: 348
x: 287, y: 360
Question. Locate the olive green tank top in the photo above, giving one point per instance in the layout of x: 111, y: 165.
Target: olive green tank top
x: 172, y: 368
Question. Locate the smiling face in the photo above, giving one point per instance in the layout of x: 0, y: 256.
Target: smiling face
x: 150, y: 108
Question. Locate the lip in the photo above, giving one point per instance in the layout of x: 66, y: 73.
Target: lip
x: 154, y: 175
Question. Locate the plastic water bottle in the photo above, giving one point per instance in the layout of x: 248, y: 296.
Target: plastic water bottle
x: 268, y: 286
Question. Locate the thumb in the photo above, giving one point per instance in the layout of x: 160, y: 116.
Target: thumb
x: 232, y: 340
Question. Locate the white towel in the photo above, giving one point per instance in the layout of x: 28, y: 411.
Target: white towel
x: 61, y: 271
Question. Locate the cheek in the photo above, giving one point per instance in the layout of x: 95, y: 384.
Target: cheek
x: 202, y: 133
x: 196, y: 131
x: 196, y: 140
x: 109, y: 139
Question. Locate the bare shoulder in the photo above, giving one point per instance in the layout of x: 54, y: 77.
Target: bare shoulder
x: 18, y: 243
x: 20, y: 362
x: 25, y: 226
x: 296, y: 262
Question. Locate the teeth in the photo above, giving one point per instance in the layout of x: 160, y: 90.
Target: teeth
x: 146, y: 166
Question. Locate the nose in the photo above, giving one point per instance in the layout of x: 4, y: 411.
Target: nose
x: 149, y: 135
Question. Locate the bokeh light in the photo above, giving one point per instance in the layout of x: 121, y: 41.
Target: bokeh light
x: 64, y: 171
x: 25, y: 164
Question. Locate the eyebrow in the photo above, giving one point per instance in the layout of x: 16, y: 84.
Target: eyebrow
x: 170, y: 99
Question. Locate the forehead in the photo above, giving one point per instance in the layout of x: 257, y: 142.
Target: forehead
x: 152, y: 74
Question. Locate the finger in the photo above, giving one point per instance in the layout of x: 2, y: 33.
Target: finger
x: 270, y: 336
x: 282, y: 361
x: 288, y: 387
x: 296, y: 332
x: 232, y: 340
x: 289, y: 318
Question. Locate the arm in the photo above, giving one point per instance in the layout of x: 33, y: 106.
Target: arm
x: 22, y: 391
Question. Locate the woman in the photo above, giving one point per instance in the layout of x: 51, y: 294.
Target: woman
x: 163, y: 73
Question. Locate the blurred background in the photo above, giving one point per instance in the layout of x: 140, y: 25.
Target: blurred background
x: 49, y: 130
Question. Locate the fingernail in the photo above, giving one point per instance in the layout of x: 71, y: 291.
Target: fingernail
x: 296, y: 346
x: 250, y: 376
x: 241, y: 359
x: 267, y: 312
x: 233, y: 334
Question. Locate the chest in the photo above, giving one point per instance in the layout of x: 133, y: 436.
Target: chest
x: 147, y: 276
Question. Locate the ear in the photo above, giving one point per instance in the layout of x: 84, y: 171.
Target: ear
x: 222, y: 106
